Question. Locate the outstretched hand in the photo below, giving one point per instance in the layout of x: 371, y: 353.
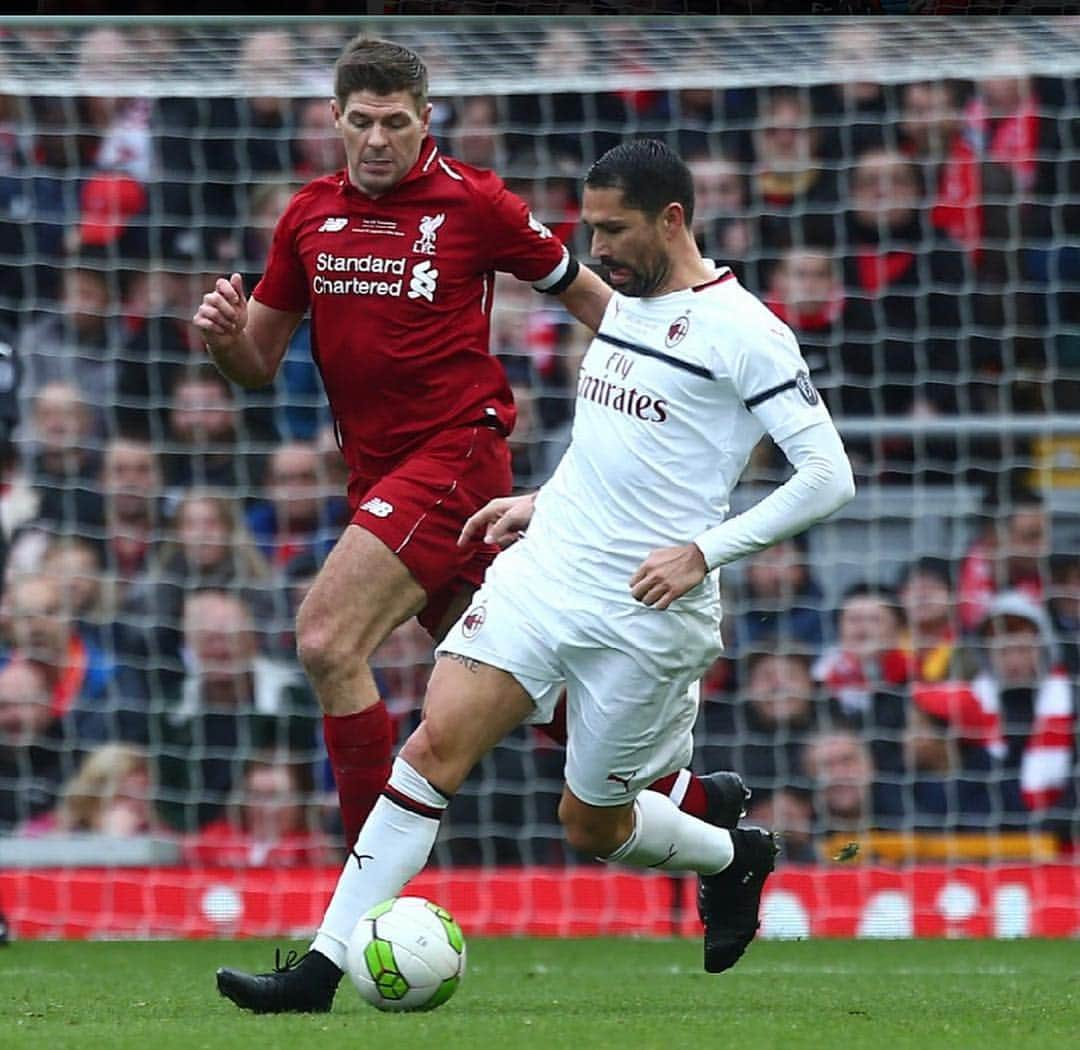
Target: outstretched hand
x: 502, y: 521
x: 667, y: 574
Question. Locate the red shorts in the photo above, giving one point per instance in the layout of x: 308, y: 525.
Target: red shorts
x: 418, y: 510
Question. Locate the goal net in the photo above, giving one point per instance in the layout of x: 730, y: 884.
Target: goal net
x: 899, y: 683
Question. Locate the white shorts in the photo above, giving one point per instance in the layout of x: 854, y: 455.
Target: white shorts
x: 631, y: 673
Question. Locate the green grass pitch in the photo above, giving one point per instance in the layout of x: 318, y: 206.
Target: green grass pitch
x: 580, y: 994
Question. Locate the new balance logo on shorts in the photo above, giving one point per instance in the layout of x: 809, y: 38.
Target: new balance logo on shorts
x: 379, y: 507
x: 333, y: 225
x: 423, y: 280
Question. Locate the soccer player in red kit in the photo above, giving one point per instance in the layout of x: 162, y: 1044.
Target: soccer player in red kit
x: 395, y: 259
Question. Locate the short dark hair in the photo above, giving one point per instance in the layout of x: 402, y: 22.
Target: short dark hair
x: 379, y: 66
x: 879, y: 592
x: 650, y: 174
x: 925, y: 566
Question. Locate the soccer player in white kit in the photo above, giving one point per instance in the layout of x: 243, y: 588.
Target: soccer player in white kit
x: 609, y: 587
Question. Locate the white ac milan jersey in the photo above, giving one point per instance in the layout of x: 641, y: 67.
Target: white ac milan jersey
x: 674, y: 393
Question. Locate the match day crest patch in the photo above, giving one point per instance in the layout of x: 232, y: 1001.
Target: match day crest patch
x: 806, y: 388
x: 677, y: 331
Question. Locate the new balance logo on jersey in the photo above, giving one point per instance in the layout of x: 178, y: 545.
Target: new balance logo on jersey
x: 423, y: 280
x: 335, y: 225
x: 429, y: 228
x: 379, y: 507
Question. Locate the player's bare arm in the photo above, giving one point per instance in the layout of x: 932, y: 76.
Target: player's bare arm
x: 501, y: 521
x: 246, y: 339
x: 667, y: 574
x: 586, y: 297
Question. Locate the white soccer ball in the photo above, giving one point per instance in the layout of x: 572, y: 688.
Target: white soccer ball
x: 406, y: 954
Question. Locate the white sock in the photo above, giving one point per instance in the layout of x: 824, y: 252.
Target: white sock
x: 664, y: 837
x: 392, y: 847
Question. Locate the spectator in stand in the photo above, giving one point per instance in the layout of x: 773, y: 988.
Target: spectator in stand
x: 131, y: 486
x: 230, y: 704
x: 212, y: 151
x: 849, y: 794
x: 163, y: 345
x: 762, y: 730
x: 475, y: 137
x: 1063, y: 603
x: 16, y: 178
x: 780, y: 600
x: 570, y: 125
x: 913, y: 283
x: 852, y: 109
x: 317, y: 146
x: 65, y: 459
x: 208, y: 443
x: 722, y: 226
x: 78, y: 564
x: 121, y: 518
x: 301, y: 511
x: 38, y: 750
x: 790, y: 813
x: 211, y: 547
x: 794, y: 191
x: 926, y: 594
x: 1007, y: 737
x: 111, y: 794
x: 1010, y: 554
x: 835, y: 332
x: 78, y: 675
x: 77, y: 344
x: 270, y: 821
x: 120, y: 127
x: 867, y: 672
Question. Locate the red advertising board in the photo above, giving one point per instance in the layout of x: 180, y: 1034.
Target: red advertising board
x: 925, y: 901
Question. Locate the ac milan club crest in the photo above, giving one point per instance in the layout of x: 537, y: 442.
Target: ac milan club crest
x: 474, y: 620
x: 678, y: 328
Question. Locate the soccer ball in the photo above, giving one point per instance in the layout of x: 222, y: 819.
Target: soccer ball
x: 406, y: 954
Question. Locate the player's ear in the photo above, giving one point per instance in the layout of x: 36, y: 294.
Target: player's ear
x: 335, y: 109
x: 673, y: 217
x: 425, y: 117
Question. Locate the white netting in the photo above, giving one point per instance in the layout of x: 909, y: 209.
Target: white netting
x: 906, y: 193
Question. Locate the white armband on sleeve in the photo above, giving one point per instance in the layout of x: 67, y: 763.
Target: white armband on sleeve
x: 821, y: 484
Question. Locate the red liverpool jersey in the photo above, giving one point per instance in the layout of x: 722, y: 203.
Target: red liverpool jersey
x: 400, y: 292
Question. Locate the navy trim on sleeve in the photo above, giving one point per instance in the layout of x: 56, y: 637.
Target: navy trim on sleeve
x: 753, y: 402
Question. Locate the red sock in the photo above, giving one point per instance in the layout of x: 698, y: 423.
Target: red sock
x: 359, y: 747
x: 693, y: 802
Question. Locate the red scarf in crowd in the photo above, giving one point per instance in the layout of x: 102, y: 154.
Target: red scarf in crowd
x: 977, y: 586
x: 877, y: 270
x: 852, y: 680
x: 816, y: 320
x: 1012, y: 141
x: 973, y: 711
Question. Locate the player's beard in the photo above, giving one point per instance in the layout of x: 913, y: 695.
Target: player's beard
x: 645, y: 278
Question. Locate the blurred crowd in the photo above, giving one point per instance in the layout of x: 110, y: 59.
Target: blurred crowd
x: 921, y: 240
